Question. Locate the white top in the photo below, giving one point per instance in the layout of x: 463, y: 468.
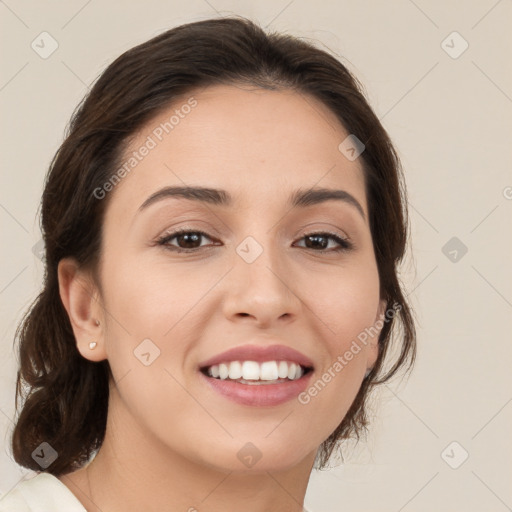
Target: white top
x: 41, y: 493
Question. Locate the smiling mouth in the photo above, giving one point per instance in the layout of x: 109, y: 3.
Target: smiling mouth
x: 255, y: 373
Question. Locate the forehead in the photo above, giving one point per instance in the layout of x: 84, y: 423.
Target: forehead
x: 258, y: 144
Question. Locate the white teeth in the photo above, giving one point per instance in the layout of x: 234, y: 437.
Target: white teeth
x: 250, y: 370
x: 282, y: 370
x: 253, y: 371
x: 268, y: 370
x: 235, y: 370
x: 223, y: 371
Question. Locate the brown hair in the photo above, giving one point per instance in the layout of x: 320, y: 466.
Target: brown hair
x: 66, y: 395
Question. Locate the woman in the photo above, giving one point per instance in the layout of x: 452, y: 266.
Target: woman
x: 223, y: 226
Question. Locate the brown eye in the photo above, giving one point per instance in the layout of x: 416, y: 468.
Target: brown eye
x: 187, y: 240
x: 320, y: 242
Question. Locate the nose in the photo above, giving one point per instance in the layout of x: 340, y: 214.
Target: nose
x: 261, y: 291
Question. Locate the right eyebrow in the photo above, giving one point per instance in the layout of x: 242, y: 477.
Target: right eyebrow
x: 207, y: 195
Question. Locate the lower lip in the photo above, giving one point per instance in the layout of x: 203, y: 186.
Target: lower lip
x: 259, y: 395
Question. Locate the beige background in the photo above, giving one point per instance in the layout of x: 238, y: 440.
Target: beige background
x: 451, y: 119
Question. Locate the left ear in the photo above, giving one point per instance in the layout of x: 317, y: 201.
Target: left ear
x: 373, y: 345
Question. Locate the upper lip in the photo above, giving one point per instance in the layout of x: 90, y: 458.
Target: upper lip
x: 259, y: 353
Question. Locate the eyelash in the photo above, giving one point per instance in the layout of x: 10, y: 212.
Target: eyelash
x: 344, y: 244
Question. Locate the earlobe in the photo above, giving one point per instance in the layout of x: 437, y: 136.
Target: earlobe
x: 78, y: 295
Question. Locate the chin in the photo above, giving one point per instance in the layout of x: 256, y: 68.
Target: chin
x: 260, y: 456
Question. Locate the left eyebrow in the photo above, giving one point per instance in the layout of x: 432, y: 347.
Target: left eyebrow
x: 304, y: 198
x: 301, y: 198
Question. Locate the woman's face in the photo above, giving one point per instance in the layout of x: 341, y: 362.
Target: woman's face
x: 254, y: 279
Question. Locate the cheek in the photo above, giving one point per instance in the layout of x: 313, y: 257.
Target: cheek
x: 156, y: 301
x: 345, y: 302
x: 344, y: 315
x: 149, y: 327
x: 151, y: 298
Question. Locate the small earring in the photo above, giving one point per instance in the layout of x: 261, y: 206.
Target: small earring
x: 92, y: 345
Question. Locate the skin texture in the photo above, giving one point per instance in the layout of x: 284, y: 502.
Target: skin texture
x: 170, y: 439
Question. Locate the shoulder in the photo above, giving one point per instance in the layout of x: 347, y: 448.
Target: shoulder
x: 41, y: 493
